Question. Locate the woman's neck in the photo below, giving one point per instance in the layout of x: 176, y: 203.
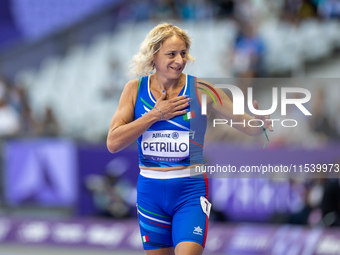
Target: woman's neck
x: 164, y: 83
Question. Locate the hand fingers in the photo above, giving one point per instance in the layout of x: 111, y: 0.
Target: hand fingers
x: 270, y: 128
x: 181, y: 106
x: 184, y: 102
x: 180, y: 112
x: 179, y: 98
x: 163, y: 96
x: 269, y: 123
x: 173, y: 107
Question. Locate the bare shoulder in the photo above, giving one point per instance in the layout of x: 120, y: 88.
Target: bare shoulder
x: 125, y: 111
x: 132, y: 85
x: 216, y: 96
x: 130, y: 90
x: 201, y: 82
x: 205, y: 87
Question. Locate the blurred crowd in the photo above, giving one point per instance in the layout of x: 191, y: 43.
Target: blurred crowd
x: 316, y: 131
x: 16, y: 117
x: 311, y: 202
x: 113, y: 194
x: 293, y: 10
x: 249, y: 47
x: 320, y: 129
x: 319, y: 204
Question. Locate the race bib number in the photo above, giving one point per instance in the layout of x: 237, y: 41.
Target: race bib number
x: 165, y: 145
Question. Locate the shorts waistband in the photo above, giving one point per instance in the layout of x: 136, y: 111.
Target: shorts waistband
x: 167, y: 174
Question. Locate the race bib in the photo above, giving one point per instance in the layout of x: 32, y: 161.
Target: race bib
x: 165, y: 145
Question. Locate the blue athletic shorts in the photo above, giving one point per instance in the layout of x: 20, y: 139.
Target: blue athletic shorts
x: 171, y: 211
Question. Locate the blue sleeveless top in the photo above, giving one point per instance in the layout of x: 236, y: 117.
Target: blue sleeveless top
x: 174, y: 142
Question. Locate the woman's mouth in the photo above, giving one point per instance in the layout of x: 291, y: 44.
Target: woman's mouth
x: 177, y: 69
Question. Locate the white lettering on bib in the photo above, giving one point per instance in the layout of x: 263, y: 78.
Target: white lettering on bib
x: 165, y: 145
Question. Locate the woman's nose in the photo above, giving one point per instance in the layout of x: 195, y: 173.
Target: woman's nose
x: 179, y: 59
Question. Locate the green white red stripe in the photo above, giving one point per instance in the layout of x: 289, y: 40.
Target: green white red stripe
x: 151, y: 218
x: 206, y: 217
x: 145, y: 238
x: 189, y: 115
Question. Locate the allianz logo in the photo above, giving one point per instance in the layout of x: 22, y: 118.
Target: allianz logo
x: 173, y: 135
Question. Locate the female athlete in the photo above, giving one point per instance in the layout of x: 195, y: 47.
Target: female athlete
x: 163, y: 112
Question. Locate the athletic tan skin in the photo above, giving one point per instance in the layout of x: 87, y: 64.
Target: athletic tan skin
x: 169, y: 62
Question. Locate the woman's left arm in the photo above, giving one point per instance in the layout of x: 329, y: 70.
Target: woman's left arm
x: 224, y: 110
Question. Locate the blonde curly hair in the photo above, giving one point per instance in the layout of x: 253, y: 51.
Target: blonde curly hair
x: 142, y: 63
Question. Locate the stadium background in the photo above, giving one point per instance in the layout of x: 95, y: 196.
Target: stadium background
x: 63, y: 66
